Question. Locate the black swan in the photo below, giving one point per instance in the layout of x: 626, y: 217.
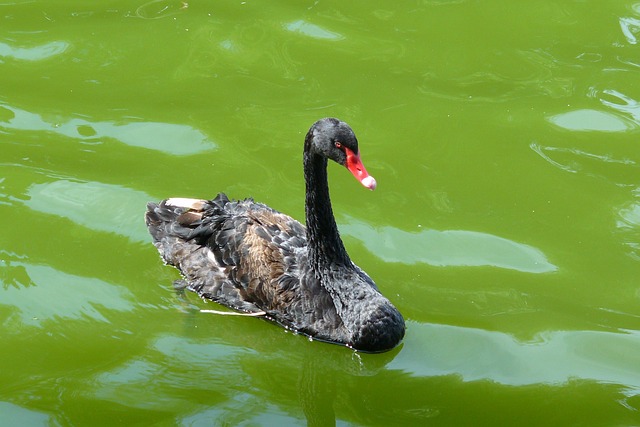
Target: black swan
x: 251, y: 258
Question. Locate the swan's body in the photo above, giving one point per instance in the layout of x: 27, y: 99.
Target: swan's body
x: 249, y: 257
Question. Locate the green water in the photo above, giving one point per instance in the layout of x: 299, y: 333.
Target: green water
x: 504, y: 137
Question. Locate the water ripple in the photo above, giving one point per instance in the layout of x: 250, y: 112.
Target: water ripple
x: 620, y: 170
x: 448, y: 248
x: 13, y: 414
x: 95, y: 205
x: 36, y: 53
x: 591, y: 120
x: 555, y: 357
x: 622, y: 103
x: 157, y: 9
x: 51, y: 294
x: 628, y: 223
x: 630, y: 28
x: 312, y: 30
x: 169, y: 138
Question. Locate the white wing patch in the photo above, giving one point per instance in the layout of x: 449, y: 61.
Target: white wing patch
x: 183, y: 202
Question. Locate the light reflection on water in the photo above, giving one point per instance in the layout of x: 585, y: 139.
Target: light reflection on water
x: 312, y: 30
x: 448, y: 248
x: 591, y: 120
x: 555, y: 357
x: 630, y: 28
x: 169, y: 138
x: 13, y: 414
x: 628, y: 223
x: 95, y: 205
x: 623, y: 117
x: 36, y: 53
x: 51, y: 295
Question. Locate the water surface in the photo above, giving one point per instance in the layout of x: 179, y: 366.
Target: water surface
x: 505, y: 226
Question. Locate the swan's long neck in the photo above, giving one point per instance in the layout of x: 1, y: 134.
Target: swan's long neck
x: 325, y: 246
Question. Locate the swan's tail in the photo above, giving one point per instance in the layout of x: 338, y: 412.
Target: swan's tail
x: 173, y: 217
x: 176, y: 228
x: 170, y: 224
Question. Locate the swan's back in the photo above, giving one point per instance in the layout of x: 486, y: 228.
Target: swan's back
x: 246, y: 256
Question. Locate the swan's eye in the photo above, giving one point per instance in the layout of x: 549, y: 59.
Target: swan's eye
x: 337, y: 144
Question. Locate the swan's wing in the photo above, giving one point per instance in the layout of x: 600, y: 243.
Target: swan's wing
x: 242, y: 254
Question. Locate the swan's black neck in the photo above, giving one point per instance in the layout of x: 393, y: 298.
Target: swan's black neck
x: 325, y: 246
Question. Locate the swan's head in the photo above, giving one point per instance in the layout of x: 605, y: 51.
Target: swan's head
x: 335, y: 140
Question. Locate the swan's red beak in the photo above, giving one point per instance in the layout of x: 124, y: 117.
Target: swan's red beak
x: 355, y: 166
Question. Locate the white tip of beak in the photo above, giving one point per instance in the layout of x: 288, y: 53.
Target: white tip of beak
x: 369, y: 182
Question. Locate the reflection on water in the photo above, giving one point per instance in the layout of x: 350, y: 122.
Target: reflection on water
x: 36, y: 53
x: 622, y: 103
x: 591, y: 120
x: 630, y: 213
x: 630, y: 28
x: 166, y: 137
x: 575, y: 160
x: 556, y: 357
x: 98, y: 206
x: 628, y: 224
x: 14, y: 415
x: 53, y: 295
x: 448, y: 248
x: 312, y: 30
x: 625, y: 115
x: 238, y: 373
x: 156, y: 9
